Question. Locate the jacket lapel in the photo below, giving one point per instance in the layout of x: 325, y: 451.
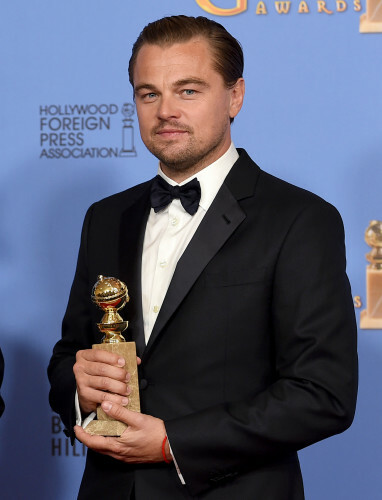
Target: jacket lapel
x: 220, y: 221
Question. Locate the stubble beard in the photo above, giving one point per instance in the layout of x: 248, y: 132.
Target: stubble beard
x: 189, y: 158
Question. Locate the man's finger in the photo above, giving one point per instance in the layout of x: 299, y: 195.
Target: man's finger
x: 131, y: 418
x: 101, y: 356
x: 94, y: 368
x: 99, y: 443
x: 96, y: 396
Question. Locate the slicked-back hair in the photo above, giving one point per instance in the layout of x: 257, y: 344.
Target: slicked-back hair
x: 227, y: 53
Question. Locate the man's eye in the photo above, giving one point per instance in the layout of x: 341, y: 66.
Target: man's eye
x: 151, y: 95
x: 189, y: 91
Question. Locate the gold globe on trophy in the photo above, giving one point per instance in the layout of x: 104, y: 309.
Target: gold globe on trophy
x: 111, y: 295
x: 371, y: 317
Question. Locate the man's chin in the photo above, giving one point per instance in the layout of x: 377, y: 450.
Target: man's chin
x: 176, y: 165
x: 174, y: 159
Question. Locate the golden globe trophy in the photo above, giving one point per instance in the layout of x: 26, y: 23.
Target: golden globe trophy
x: 111, y: 295
x: 371, y: 317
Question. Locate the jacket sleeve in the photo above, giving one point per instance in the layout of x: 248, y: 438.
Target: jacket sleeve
x: 314, y: 392
x: 76, y: 334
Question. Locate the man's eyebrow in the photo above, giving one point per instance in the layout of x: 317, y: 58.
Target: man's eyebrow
x: 190, y: 80
x: 178, y: 83
x: 146, y: 86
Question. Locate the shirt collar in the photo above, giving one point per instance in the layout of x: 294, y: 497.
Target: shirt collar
x: 211, y: 177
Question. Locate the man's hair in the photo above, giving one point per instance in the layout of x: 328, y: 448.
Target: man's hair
x: 227, y: 53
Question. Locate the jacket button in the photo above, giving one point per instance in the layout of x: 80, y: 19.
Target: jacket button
x: 143, y: 384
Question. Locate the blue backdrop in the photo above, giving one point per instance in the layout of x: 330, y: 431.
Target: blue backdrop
x: 69, y: 136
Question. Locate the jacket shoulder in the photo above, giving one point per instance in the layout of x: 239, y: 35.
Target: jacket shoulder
x: 292, y: 201
x: 277, y: 194
x: 124, y: 198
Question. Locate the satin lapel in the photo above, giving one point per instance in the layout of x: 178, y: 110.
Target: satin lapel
x: 218, y: 224
x: 132, y: 232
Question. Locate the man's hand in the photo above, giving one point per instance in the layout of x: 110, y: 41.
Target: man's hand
x: 100, y: 376
x: 141, y: 442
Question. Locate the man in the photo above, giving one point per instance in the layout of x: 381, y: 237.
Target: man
x: 241, y: 310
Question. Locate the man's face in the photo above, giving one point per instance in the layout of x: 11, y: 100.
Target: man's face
x: 183, y: 106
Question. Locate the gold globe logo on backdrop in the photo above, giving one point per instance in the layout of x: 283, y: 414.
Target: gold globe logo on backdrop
x: 370, y: 21
x: 86, y: 131
x: 371, y: 316
x: 208, y: 6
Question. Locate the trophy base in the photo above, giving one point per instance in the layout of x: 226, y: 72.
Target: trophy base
x: 105, y: 425
x: 366, y: 26
x: 368, y: 323
x: 111, y: 428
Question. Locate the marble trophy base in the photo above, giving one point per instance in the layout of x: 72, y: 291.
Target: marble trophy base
x: 105, y: 425
x: 367, y: 26
x: 370, y: 323
x: 371, y: 317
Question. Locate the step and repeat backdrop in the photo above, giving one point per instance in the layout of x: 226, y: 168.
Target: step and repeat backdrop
x: 69, y: 136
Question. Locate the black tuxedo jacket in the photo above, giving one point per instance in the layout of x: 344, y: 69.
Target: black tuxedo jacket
x: 253, y: 354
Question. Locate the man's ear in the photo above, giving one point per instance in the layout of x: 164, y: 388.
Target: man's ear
x: 237, y: 97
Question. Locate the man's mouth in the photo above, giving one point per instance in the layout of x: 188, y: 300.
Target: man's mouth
x: 171, y: 132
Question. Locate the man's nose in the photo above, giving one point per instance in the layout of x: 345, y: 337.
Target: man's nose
x: 168, y: 107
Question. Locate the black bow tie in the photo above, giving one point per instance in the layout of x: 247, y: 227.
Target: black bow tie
x: 162, y: 194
